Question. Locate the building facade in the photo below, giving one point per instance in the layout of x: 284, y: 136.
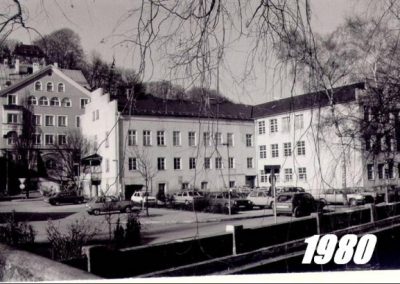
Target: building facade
x: 170, y: 145
x: 299, y: 135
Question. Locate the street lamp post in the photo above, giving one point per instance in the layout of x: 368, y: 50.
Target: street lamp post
x: 229, y: 180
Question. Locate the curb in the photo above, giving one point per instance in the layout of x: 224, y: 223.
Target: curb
x: 206, y: 220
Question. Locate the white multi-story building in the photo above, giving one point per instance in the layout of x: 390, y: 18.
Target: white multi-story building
x: 299, y: 135
x: 170, y: 145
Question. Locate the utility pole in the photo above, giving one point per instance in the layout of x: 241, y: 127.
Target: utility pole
x: 272, y: 170
x: 229, y: 179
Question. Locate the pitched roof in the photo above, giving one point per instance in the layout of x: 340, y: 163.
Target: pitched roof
x: 33, y: 77
x: 155, y: 106
x: 77, y: 76
x: 318, y: 99
x: 28, y: 50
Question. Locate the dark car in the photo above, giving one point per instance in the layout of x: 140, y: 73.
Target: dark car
x: 65, y: 197
x: 110, y: 204
x: 218, y: 202
x: 297, y: 204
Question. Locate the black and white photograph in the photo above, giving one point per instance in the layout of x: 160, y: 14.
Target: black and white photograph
x: 200, y: 140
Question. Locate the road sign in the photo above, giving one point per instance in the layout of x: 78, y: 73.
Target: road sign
x: 22, y: 180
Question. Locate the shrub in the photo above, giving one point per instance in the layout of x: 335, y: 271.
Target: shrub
x: 130, y: 235
x: 68, y: 245
x: 16, y: 233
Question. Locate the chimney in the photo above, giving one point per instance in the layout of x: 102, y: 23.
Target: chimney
x: 55, y: 64
x: 16, y: 66
x: 35, y: 67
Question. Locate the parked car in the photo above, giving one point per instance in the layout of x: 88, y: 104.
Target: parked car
x: 218, y: 202
x: 70, y: 197
x: 371, y: 194
x: 109, y: 204
x: 283, y: 189
x: 142, y: 197
x: 261, y: 198
x: 187, y: 198
x: 297, y: 204
x: 340, y: 196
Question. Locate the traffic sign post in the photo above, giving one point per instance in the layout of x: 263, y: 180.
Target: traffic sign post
x: 272, y: 170
x: 22, y: 183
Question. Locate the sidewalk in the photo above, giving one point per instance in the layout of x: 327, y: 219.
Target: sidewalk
x: 168, y: 216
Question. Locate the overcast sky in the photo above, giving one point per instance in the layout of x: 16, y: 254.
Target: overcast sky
x: 95, y: 20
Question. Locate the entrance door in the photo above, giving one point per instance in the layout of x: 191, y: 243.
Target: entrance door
x: 250, y: 181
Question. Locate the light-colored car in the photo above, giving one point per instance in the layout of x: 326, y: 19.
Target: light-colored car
x: 186, y: 197
x: 261, y: 198
x: 108, y: 204
x: 141, y: 197
x: 340, y: 196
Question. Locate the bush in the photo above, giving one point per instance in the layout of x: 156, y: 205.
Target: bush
x: 130, y: 235
x: 66, y: 246
x: 18, y: 234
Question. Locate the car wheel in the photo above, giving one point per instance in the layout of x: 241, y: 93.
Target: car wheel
x: 96, y: 212
x: 128, y: 209
x: 353, y: 202
x: 297, y: 212
x: 323, y: 201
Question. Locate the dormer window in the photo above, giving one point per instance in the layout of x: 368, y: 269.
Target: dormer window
x: 55, y: 102
x: 32, y: 100
x: 43, y: 101
x: 49, y: 87
x: 38, y: 86
x: 12, y: 99
x: 66, y: 102
x: 61, y: 88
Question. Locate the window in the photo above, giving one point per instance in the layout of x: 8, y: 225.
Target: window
x: 367, y: 113
x: 389, y: 170
x: 274, y: 151
x: 38, y: 86
x: 60, y: 88
x: 62, y: 139
x: 37, y: 139
x: 261, y: 127
x: 287, y: 149
x: 368, y: 143
x: 106, y: 141
x: 107, y: 165
x: 298, y: 121
x: 97, y: 114
x: 273, y: 125
x: 232, y: 183
x: 160, y: 138
x: 43, y: 101
x: 263, y: 151
x: 161, y: 164
x: 204, y: 185
x: 132, y: 138
x: 12, y: 137
x: 49, y: 120
x: 249, y: 163
x: 49, y: 87
x: 49, y: 139
x: 286, y: 124
x: 66, y: 102
x: 207, y: 163
x: 32, y: 100
x: 84, y: 102
x: 62, y: 121
x: 177, y: 164
x: 12, y: 99
x: 218, y: 163
x: 146, y: 138
x: 301, y: 148
x: 231, y: 163
x: 192, y: 163
x: 263, y: 176
x: 206, y: 138
x: 37, y: 118
x: 288, y: 175
x: 176, y: 138
x: 249, y: 140
x: 12, y: 118
x: 303, y: 174
x: 381, y: 171
x: 218, y: 138
x: 55, y: 102
x: 370, y: 172
x: 78, y: 121
x: 51, y: 164
x: 229, y: 139
x: 192, y: 138
x: 132, y: 164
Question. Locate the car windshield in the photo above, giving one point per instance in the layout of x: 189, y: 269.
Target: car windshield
x: 285, y: 198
